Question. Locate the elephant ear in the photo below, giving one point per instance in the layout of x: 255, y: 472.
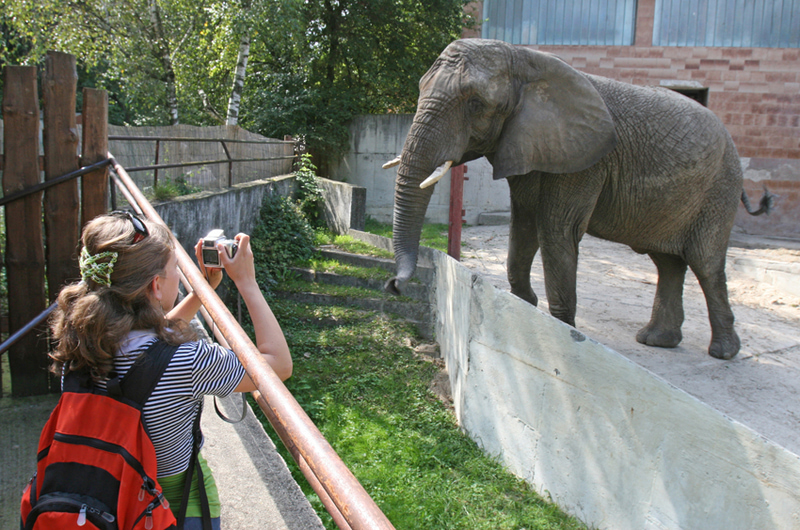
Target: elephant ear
x: 560, y: 123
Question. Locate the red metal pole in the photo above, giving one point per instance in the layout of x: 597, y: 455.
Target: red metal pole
x: 456, y: 211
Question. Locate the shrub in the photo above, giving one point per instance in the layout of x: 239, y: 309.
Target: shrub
x: 309, y: 195
x: 282, y: 239
x: 169, y: 189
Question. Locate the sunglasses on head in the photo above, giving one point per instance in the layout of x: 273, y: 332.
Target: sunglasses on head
x: 138, y: 225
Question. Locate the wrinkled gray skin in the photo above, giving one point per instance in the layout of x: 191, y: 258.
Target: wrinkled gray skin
x: 642, y: 166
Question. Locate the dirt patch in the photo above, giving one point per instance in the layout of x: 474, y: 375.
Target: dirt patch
x: 759, y: 388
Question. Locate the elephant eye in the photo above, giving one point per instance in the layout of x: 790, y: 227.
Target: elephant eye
x: 475, y: 105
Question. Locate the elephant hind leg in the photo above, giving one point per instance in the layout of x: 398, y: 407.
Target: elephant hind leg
x: 664, y: 328
x: 725, y: 342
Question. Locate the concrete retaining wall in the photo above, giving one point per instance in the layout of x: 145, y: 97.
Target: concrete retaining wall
x: 607, y: 440
x: 375, y: 140
x: 345, y: 206
x: 233, y: 209
x: 236, y: 209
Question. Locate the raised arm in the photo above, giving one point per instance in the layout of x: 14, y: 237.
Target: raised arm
x: 190, y: 305
x: 269, y: 336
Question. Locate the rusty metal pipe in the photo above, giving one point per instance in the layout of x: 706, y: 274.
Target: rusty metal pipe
x: 327, y: 501
x: 349, y: 496
x: 330, y: 506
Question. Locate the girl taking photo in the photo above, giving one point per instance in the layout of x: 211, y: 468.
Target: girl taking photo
x: 125, y: 302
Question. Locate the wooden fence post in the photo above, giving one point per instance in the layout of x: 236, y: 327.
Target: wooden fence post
x: 94, y: 185
x: 24, y: 250
x: 60, y: 157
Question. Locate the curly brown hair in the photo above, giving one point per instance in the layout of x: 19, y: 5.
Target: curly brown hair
x: 93, y: 319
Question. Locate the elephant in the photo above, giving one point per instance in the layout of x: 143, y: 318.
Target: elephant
x: 582, y: 154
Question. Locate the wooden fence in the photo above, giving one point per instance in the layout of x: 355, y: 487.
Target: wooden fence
x: 43, y: 228
x: 258, y: 157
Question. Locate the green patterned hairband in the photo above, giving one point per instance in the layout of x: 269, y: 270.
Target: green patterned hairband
x: 92, y: 268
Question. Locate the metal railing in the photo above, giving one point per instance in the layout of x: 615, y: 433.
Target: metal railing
x: 27, y: 328
x: 342, y: 495
x: 48, y: 183
x: 223, y: 141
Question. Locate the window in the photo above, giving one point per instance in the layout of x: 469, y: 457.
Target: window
x: 592, y: 22
x: 729, y: 23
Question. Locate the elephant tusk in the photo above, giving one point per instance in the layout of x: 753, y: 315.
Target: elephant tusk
x: 391, y: 163
x: 437, y: 174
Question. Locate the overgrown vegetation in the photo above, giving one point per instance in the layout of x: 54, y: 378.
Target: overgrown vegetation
x: 282, y: 239
x: 309, y: 194
x: 169, y: 189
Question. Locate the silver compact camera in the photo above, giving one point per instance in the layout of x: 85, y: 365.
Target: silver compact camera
x: 210, y: 254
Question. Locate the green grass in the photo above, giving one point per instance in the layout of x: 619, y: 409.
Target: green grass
x: 349, y: 244
x: 367, y: 392
x: 433, y: 235
x: 300, y: 286
x: 335, y: 267
x: 169, y: 189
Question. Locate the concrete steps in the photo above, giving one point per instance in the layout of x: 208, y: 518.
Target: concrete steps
x: 414, y: 306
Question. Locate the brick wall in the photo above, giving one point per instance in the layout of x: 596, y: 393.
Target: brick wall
x: 754, y: 91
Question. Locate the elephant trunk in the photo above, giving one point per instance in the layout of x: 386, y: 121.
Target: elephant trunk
x: 431, y: 145
x: 410, y: 204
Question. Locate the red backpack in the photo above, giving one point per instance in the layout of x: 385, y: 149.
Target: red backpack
x: 96, y: 464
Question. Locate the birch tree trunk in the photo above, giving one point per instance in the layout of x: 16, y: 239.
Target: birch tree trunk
x: 161, y: 50
x: 238, y: 81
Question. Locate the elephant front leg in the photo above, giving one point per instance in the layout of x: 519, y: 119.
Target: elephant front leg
x: 560, y: 263
x: 664, y: 329
x: 523, y: 243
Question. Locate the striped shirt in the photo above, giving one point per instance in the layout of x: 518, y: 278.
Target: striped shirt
x: 196, y: 369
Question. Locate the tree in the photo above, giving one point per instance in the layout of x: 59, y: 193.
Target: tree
x: 278, y: 67
x: 347, y: 57
x: 238, y: 81
x: 135, y: 45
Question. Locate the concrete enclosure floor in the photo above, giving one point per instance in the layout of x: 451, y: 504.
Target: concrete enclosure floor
x: 759, y: 388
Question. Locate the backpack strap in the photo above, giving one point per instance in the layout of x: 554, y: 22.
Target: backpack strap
x: 142, y: 378
x: 194, y: 465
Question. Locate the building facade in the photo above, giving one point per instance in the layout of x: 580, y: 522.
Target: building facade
x: 740, y: 58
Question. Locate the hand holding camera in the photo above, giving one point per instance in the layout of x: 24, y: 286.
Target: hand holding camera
x: 211, y: 254
x: 216, y: 252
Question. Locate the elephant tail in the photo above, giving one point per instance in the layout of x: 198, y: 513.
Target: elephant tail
x: 765, y: 205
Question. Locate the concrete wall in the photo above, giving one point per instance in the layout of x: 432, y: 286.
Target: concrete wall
x: 378, y: 139
x: 233, y: 209
x: 345, y: 206
x: 607, y: 440
x: 236, y: 209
